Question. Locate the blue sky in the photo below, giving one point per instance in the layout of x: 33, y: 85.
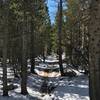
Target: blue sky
x: 52, y: 6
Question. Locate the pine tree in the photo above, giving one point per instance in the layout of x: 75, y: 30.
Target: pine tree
x: 72, y: 29
x: 5, y: 41
x: 60, y: 37
x: 20, y: 10
x: 94, y: 50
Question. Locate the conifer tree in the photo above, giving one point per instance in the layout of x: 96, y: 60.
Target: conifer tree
x: 94, y: 50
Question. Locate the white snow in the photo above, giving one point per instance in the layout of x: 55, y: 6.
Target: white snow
x: 67, y: 89
x: 76, y: 88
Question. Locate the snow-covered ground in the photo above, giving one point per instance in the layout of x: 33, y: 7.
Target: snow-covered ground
x: 66, y: 89
x: 72, y: 89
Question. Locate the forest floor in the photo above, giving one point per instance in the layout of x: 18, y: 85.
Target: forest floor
x: 75, y: 88
x: 65, y: 88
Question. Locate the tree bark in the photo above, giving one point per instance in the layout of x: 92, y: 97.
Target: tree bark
x: 5, y: 90
x: 60, y: 37
x: 24, y: 55
x: 94, y: 50
x: 5, y: 40
x: 24, y: 67
x: 32, y: 54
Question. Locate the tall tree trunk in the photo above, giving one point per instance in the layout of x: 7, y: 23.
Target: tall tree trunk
x: 44, y: 54
x: 24, y: 56
x: 32, y: 63
x: 94, y: 49
x: 5, y: 40
x: 5, y: 91
x: 24, y: 67
x: 32, y: 54
x: 60, y: 37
